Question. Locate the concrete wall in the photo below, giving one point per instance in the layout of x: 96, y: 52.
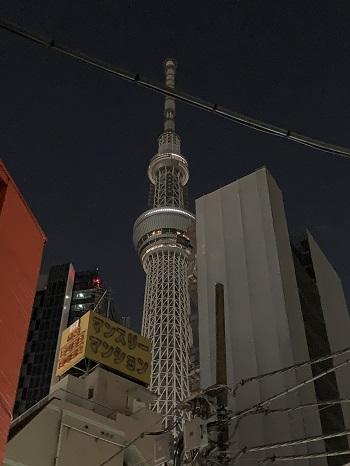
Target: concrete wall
x: 21, y: 246
x: 85, y: 422
x: 243, y: 243
x: 67, y: 432
x: 336, y: 317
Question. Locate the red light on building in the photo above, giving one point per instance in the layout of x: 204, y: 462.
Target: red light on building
x: 97, y: 282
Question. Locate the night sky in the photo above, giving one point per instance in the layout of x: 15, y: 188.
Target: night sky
x: 78, y: 141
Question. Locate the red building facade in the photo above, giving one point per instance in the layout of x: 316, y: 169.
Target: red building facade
x: 21, y: 247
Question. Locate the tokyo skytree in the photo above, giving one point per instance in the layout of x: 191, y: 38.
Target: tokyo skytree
x: 162, y: 239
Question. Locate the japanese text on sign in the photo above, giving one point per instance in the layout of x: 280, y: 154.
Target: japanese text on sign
x: 100, y: 339
x: 73, y: 343
x: 119, y: 348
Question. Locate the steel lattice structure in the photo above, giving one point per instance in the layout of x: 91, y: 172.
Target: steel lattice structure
x: 161, y: 236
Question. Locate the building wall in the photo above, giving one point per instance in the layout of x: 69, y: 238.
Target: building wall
x: 21, y: 246
x: 243, y: 243
x: 336, y: 317
x: 327, y: 388
x: 85, y: 421
x: 59, y: 431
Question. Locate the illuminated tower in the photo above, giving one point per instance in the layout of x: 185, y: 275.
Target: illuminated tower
x: 161, y: 237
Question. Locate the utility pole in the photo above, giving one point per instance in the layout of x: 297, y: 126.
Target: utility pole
x: 206, y: 437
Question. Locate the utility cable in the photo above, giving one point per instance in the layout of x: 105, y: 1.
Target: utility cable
x: 138, y: 437
x: 288, y: 368
x: 128, y: 445
x: 262, y: 404
x: 263, y: 407
x: 260, y: 407
x: 325, y: 454
x: 99, y: 301
x: 288, y: 443
x: 325, y: 404
x: 201, y: 104
x: 291, y: 443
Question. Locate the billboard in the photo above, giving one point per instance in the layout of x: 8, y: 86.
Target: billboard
x: 73, y: 344
x: 106, y: 342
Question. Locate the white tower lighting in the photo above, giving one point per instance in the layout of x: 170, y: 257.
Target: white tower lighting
x: 161, y: 237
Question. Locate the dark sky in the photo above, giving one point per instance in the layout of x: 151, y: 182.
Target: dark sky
x: 78, y: 141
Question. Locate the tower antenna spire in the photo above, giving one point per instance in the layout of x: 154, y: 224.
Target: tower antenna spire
x: 165, y: 247
x: 169, y: 105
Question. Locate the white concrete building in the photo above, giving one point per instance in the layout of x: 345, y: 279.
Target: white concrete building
x: 244, y: 253
x: 85, y: 421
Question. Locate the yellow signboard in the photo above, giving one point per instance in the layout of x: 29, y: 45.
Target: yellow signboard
x: 104, y: 341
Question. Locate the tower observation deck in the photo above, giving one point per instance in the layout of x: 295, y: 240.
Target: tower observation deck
x: 161, y: 237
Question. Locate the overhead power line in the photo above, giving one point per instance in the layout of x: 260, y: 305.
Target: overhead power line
x: 199, y: 103
x: 291, y: 443
x: 261, y: 408
x: 325, y: 454
x: 262, y: 404
x: 319, y: 404
x: 299, y: 365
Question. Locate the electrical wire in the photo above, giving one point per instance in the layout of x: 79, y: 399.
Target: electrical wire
x: 310, y: 456
x: 201, y: 104
x: 138, y: 437
x: 288, y: 368
x: 324, y: 404
x: 99, y: 301
x: 260, y: 407
x: 263, y: 407
x: 128, y: 445
x: 262, y: 404
x: 179, y: 449
x: 291, y: 443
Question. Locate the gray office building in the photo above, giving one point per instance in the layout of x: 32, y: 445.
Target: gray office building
x: 281, y: 305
